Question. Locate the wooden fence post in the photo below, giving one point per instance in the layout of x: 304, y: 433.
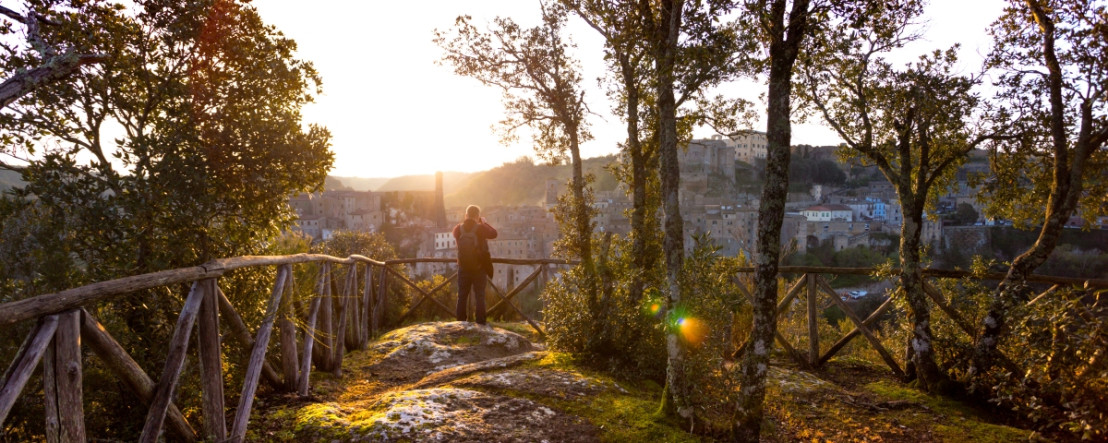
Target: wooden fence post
x: 350, y: 330
x: 813, y: 320
x: 309, y: 338
x: 290, y: 363
x: 211, y: 364
x: 240, y: 332
x: 324, y: 355
x: 367, y: 307
x: 167, y: 383
x: 257, y: 357
x: 28, y: 357
x: 62, y: 375
x: 382, y: 300
x: 116, y: 358
x: 353, y: 309
x: 340, y: 329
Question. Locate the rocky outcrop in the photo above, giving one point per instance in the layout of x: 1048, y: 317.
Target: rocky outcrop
x: 456, y: 382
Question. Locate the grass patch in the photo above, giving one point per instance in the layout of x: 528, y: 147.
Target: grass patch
x: 620, y: 416
x: 522, y: 328
x: 950, y: 419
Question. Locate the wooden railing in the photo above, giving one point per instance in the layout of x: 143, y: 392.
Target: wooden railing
x: 336, y: 322
x: 333, y: 322
x: 815, y: 289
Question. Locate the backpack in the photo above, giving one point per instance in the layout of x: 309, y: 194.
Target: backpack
x: 469, y: 255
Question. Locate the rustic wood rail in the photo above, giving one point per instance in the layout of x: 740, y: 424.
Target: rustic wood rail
x: 814, y: 287
x: 333, y: 324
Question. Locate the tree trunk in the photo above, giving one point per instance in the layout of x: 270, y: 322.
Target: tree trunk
x: 582, y: 220
x: 783, y: 49
x: 665, y: 56
x: 1066, y: 188
x: 642, y: 260
x: 930, y: 377
x: 771, y: 214
x: 1014, y: 289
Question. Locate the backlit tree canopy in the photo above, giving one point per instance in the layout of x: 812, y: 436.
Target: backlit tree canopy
x: 182, y: 146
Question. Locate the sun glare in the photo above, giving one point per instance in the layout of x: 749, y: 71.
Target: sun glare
x: 693, y: 330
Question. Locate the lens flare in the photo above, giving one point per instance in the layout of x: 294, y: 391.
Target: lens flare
x: 694, y: 331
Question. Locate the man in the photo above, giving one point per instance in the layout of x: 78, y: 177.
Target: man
x: 474, y: 263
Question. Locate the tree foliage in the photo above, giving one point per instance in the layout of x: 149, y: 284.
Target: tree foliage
x: 965, y: 214
x: 207, y: 98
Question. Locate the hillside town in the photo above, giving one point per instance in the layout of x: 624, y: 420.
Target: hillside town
x: 864, y: 214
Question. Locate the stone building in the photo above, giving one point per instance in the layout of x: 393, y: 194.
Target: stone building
x: 749, y: 146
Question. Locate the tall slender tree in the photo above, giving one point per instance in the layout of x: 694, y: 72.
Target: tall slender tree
x: 541, y: 85
x: 689, y: 50
x: 915, y: 124
x: 617, y: 22
x: 661, y: 22
x: 1054, y: 78
x: 780, y: 28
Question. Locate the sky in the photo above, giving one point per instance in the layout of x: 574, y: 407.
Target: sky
x: 392, y: 110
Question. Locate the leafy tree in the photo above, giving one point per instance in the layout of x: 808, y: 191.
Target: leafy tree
x: 688, y: 50
x: 1054, y: 77
x: 617, y: 22
x: 541, y: 83
x: 208, y: 98
x: 662, y: 55
x: 914, y: 124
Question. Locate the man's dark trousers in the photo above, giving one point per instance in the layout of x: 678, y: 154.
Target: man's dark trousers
x: 471, y: 280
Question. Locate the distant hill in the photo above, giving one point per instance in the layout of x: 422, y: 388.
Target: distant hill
x: 357, y: 183
x: 523, y: 183
x: 451, y: 181
x: 517, y: 183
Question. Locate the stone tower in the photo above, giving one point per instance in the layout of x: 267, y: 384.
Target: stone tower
x: 440, y: 206
x: 552, y: 188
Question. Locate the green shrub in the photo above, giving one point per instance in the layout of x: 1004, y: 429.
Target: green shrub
x: 600, y: 321
x: 705, y: 322
x: 1061, y: 342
